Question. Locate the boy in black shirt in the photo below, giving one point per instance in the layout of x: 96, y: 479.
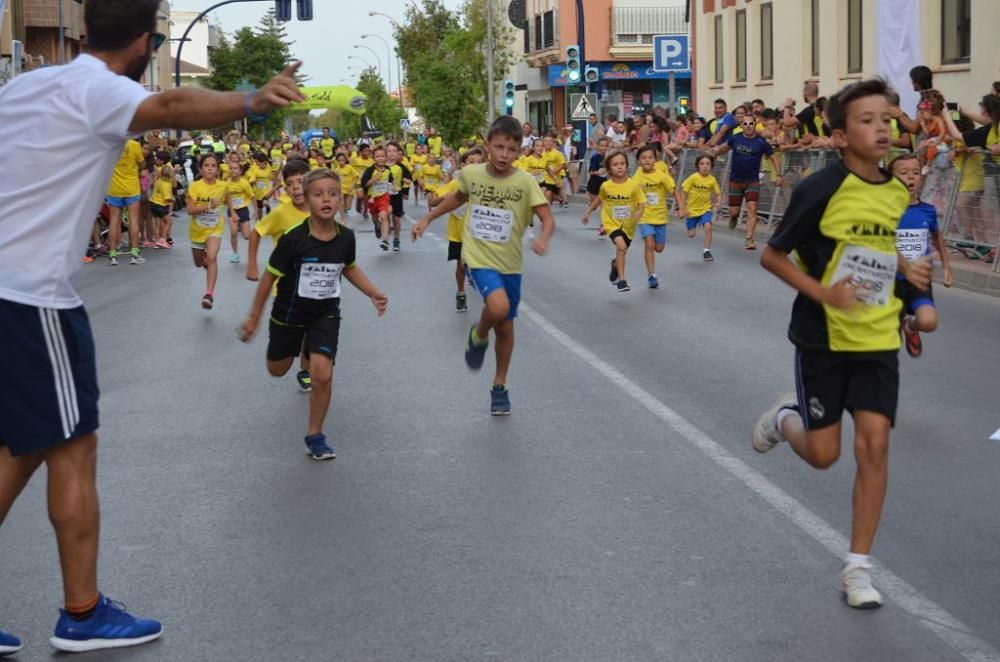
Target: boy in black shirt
x: 308, y: 263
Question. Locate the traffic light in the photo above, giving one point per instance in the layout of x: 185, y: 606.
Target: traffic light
x: 573, y: 67
x: 508, y: 96
x: 591, y: 75
x: 683, y: 101
x: 305, y: 10
x: 283, y: 10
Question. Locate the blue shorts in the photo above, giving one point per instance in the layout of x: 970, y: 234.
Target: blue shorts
x: 122, y: 203
x: 695, y: 221
x: 488, y: 281
x: 658, y: 232
x: 48, y: 377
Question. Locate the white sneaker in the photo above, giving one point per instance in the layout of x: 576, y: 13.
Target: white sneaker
x: 137, y: 259
x: 766, y: 434
x: 113, y: 261
x: 856, y: 584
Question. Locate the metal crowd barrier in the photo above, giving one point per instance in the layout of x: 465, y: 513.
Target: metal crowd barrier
x: 965, y: 191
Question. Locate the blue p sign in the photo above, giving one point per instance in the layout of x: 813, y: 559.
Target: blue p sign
x: 670, y: 53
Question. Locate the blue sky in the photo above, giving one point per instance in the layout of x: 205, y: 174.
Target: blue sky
x: 325, y: 43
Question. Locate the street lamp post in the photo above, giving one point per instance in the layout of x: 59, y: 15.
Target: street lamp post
x: 388, y: 62
x: 378, y: 60
x: 399, y: 63
x: 184, y: 37
x: 368, y: 65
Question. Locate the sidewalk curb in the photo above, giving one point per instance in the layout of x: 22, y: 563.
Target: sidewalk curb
x: 974, y: 280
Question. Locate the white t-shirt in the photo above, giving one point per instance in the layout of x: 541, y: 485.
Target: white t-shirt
x: 62, y: 130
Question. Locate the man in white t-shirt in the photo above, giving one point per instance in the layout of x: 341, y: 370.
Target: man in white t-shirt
x: 48, y: 378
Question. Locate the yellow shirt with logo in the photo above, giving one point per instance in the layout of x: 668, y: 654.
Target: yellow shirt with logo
x: 327, y: 145
x: 361, y: 164
x: 656, y: 186
x: 261, y: 178
x: 125, y: 178
x: 498, y: 211
x: 433, y: 177
x: 419, y: 163
x: 699, y: 190
x: 348, y: 178
x: 434, y: 145
x: 280, y: 220
x: 535, y: 166
x: 163, y: 192
x: 554, y: 160
x: 240, y: 193
x: 619, y: 202
x: 456, y: 219
x: 209, y: 223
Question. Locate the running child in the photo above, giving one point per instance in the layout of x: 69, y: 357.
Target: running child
x: 555, y: 169
x: 419, y: 161
x: 916, y: 234
x: 375, y: 185
x: 456, y: 221
x: 399, y: 181
x: 161, y: 202
x: 241, y: 194
x: 841, y: 222
x: 262, y: 180
x: 656, y: 185
x: 433, y: 176
x: 308, y: 264
x: 361, y: 161
x: 349, y: 177
x: 598, y: 175
x: 501, y: 201
x: 703, y: 197
x: 623, y: 205
x: 207, y: 200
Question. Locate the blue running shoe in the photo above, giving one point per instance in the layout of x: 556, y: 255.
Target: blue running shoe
x: 305, y: 380
x: 9, y: 644
x: 499, y: 400
x: 653, y: 282
x: 475, y: 349
x: 318, y: 448
x: 110, y: 626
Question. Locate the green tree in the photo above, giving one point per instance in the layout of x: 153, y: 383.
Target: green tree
x: 383, y: 111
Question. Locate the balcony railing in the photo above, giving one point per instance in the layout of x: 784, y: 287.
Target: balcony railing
x: 635, y: 26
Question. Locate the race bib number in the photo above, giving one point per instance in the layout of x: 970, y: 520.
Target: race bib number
x: 621, y: 212
x: 418, y: 167
x: 238, y: 202
x: 872, y: 272
x: 912, y: 244
x: 490, y: 223
x: 539, y: 176
x: 380, y: 188
x: 262, y: 185
x: 208, y: 219
x: 320, y: 280
x: 431, y: 181
x: 653, y: 199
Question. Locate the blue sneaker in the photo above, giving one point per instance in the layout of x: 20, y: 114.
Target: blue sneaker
x: 475, y: 349
x: 653, y: 282
x: 9, y: 644
x: 110, y: 626
x: 499, y: 400
x: 318, y: 448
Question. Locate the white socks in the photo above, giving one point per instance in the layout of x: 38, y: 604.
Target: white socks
x: 856, y: 559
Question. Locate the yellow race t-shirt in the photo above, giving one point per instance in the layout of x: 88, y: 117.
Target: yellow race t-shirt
x: 656, y: 188
x: 433, y: 177
x: 240, y: 193
x: 434, y: 145
x: 498, y: 211
x: 456, y: 219
x: 280, y: 220
x: 348, y: 178
x: 534, y: 166
x: 209, y: 223
x: 327, y: 145
x: 554, y: 160
x: 699, y: 191
x: 361, y: 164
x: 619, y: 203
x: 419, y: 163
x: 261, y: 179
x: 125, y: 178
x: 163, y: 192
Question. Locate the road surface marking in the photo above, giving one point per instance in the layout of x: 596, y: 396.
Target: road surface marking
x: 928, y: 613
x: 996, y: 436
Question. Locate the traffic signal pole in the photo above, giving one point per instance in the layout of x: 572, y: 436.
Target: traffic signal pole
x: 490, y: 83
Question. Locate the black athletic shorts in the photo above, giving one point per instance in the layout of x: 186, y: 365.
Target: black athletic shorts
x: 620, y: 233
x: 320, y: 335
x: 396, y: 201
x: 454, y: 250
x: 551, y: 187
x: 159, y: 211
x: 913, y: 298
x: 827, y: 383
x: 594, y: 184
x: 244, y: 214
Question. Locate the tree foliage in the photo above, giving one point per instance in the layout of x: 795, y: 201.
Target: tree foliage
x: 445, y: 56
x: 382, y: 110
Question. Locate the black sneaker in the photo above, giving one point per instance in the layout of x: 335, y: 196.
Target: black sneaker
x: 623, y: 286
x: 707, y: 256
x: 378, y: 228
x: 499, y: 400
x: 385, y: 244
x: 613, y: 276
x: 305, y: 381
x: 475, y: 349
x: 460, y: 303
x: 395, y: 245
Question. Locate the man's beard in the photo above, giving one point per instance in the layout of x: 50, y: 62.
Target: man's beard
x: 137, y: 67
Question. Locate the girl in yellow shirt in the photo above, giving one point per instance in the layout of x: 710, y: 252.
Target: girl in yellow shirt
x: 162, y: 202
x: 623, y: 204
x: 699, y: 204
x: 433, y: 176
x: 207, y: 200
x: 348, y: 181
x: 241, y: 195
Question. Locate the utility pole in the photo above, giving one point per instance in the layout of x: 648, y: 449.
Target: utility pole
x: 489, y: 62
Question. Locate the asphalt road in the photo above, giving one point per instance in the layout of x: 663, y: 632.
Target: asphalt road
x: 618, y: 514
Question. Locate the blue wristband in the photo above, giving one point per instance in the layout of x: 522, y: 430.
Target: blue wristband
x: 252, y: 116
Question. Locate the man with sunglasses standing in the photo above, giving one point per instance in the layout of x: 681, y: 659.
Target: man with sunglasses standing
x: 48, y: 376
x: 748, y: 149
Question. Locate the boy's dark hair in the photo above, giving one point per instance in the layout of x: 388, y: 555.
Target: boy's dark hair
x: 505, y: 126
x: 769, y: 114
x: 760, y: 101
x: 822, y: 102
x: 905, y: 156
x: 996, y: 88
x: 711, y: 160
x: 114, y: 24
x: 642, y: 150
x: 294, y: 167
x: 722, y: 101
x: 836, y: 109
x: 469, y: 152
x: 991, y: 104
x: 206, y: 156
x: 377, y: 149
x: 260, y: 156
x: 922, y: 76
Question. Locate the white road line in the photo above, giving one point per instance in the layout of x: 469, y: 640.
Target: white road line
x: 996, y: 436
x: 928, y: 613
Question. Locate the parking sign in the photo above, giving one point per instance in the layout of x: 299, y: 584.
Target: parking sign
x: 670, y: 53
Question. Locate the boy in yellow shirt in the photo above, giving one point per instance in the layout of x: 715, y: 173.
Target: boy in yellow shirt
x: 622, y: 204
x: 656, y: 185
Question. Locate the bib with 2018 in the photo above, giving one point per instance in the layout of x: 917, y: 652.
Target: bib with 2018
x: 490, y: 223
x: 209, y: 219
x: 653, y: 199
x: 872, y: 272
x: 912, y: 244
x: 320, y: 280
x: 621, y: 212
x: 238, y: 202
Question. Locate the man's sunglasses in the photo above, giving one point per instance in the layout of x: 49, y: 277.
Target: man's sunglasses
x: 157, y: 39
x: 749, y: 124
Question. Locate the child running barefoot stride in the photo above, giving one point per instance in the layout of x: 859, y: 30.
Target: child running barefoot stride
x: 308, y: 263
x: 623, y: 205
x: 207, y: 200
x: 702, y: 203
x: 501, y: 201
x: 917, y: 233
x: 656, y: 185
x: 841, y: 222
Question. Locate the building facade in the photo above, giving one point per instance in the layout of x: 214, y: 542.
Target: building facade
x: 747, y: 49
x: 203, y: 38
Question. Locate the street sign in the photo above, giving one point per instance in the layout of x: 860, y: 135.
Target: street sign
x: 404, y: 124
x: 670, y: 53
x: 586, y: 105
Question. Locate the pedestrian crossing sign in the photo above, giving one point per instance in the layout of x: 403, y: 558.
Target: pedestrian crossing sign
x: 586, y: 105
